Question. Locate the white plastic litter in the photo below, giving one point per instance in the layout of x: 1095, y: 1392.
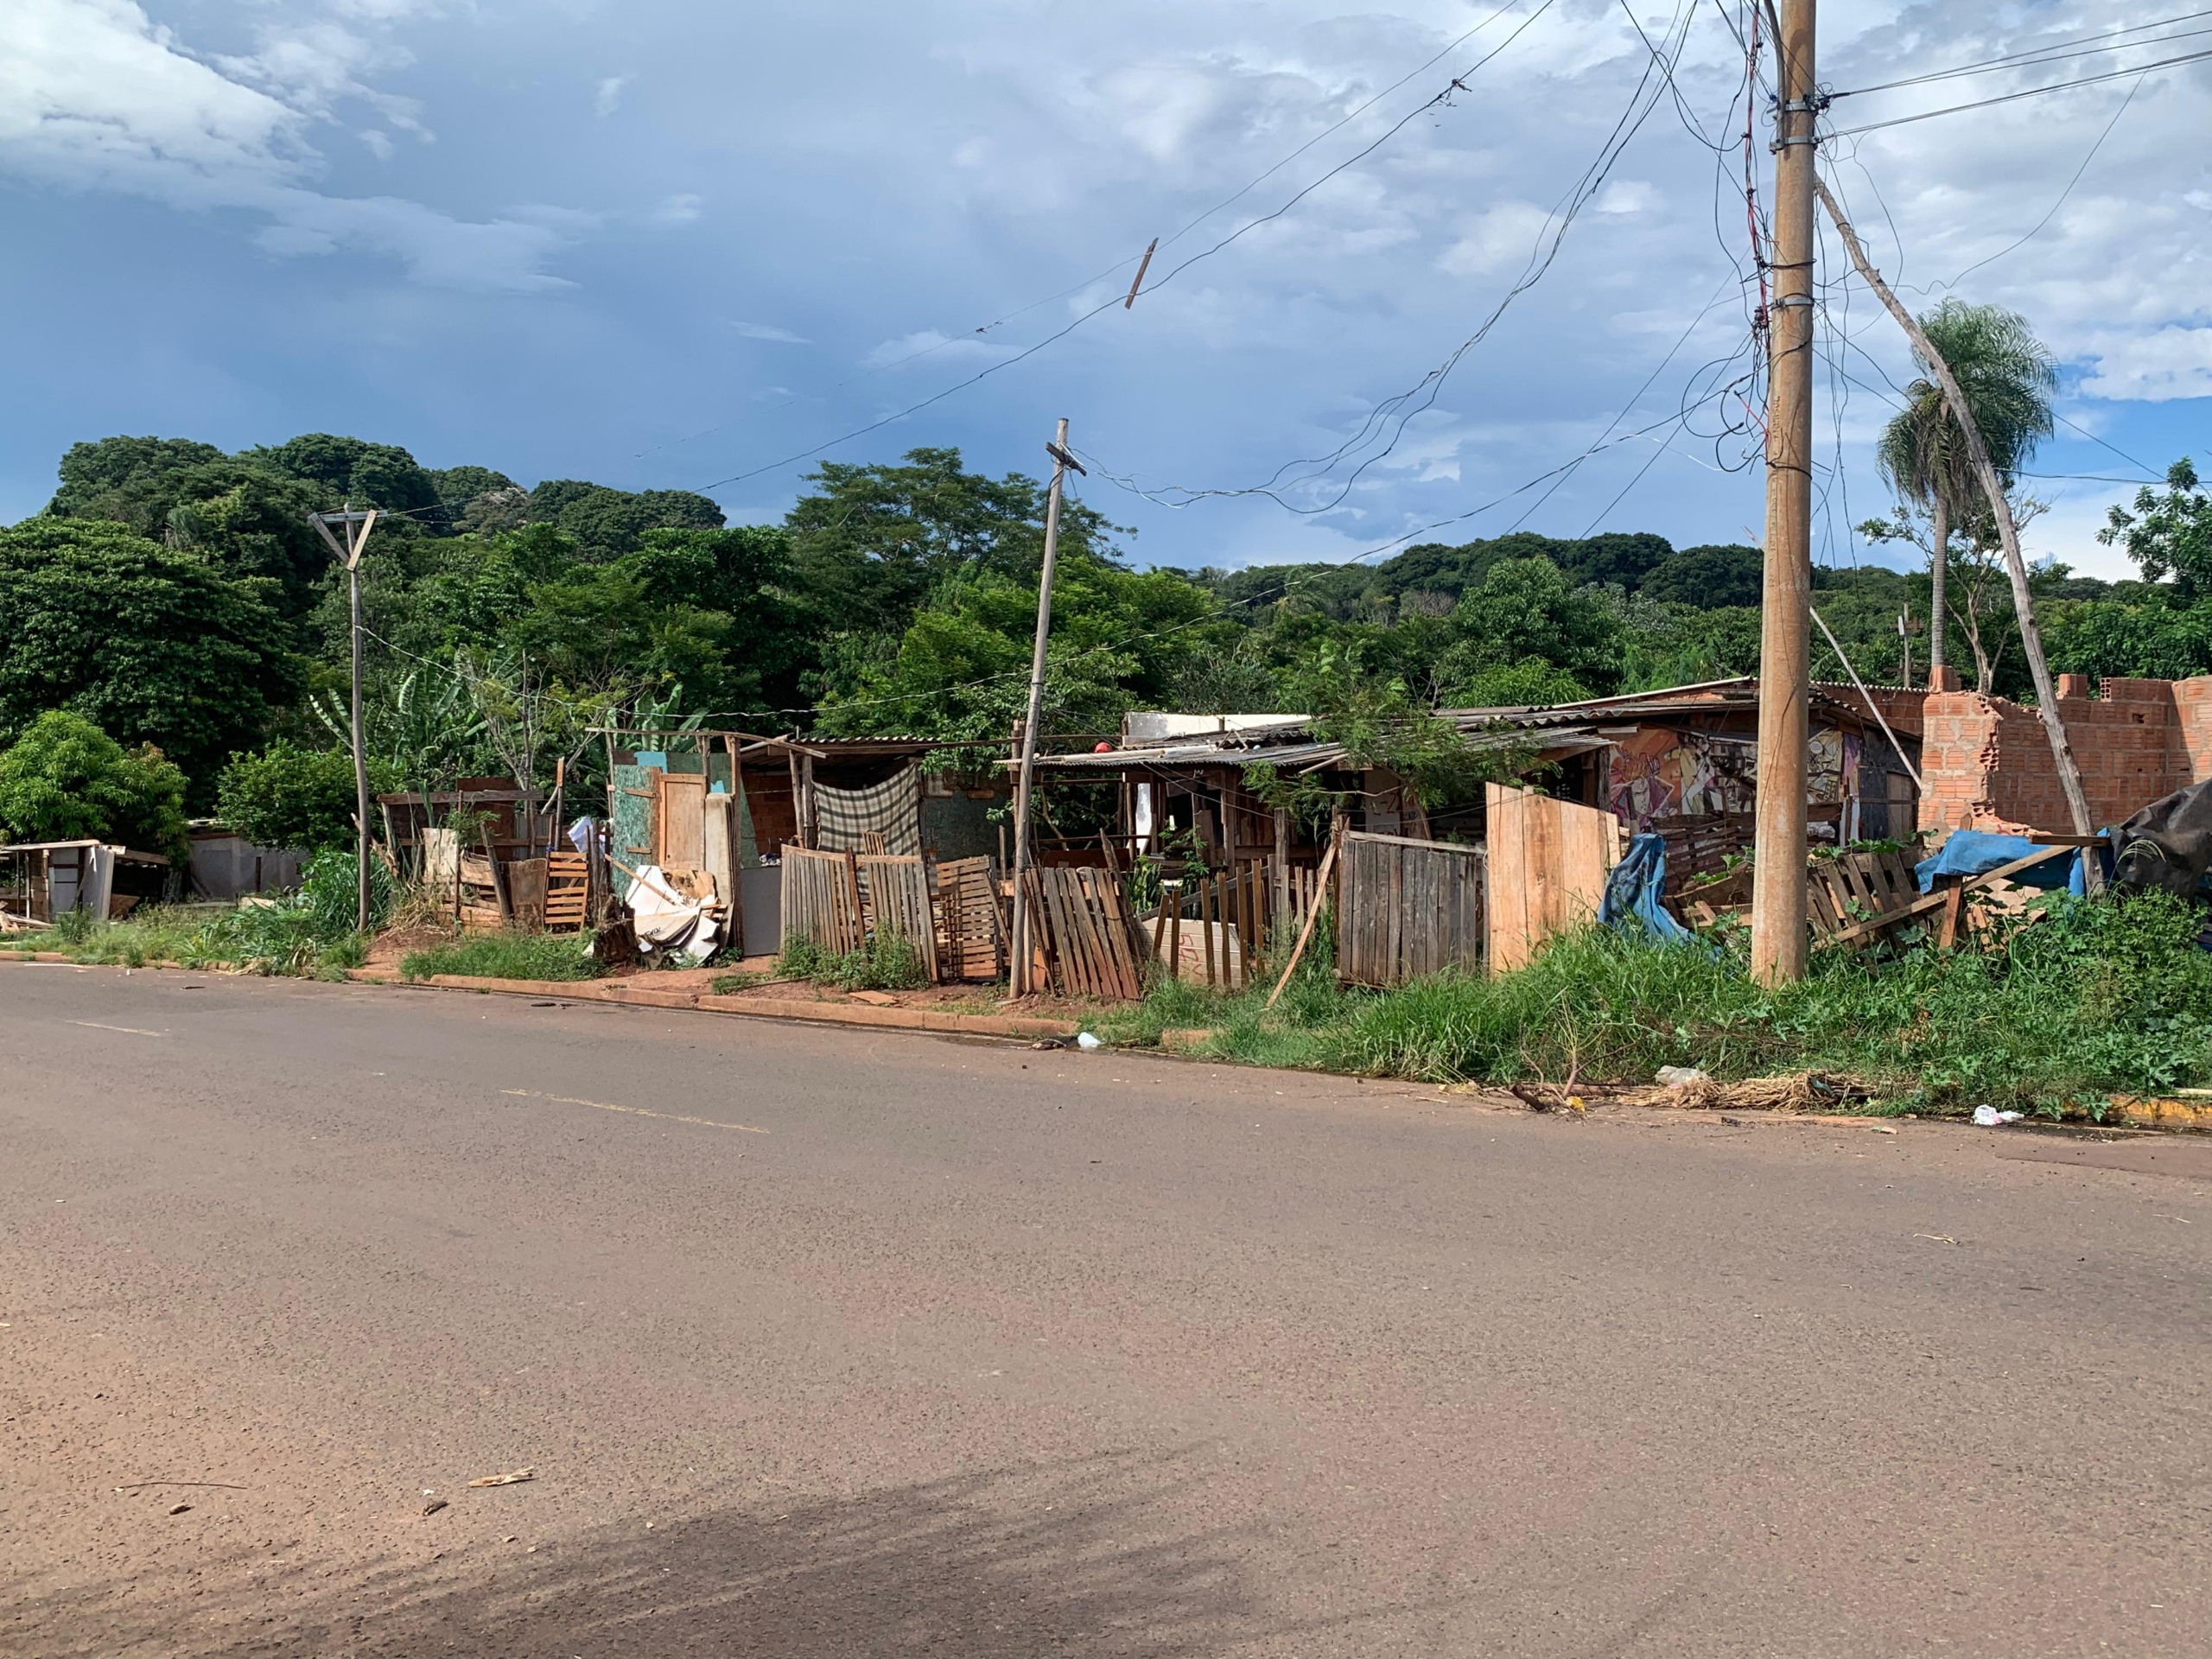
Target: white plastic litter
x: 668, y: 921
x: 1989, y: 1117
x: 1084, y: 1039
x: 1680, y: 1077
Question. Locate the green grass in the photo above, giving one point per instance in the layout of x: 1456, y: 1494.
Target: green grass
x: 309, y: 932
x: 885, y: 963
x: 506, y: 956
x: 2052, y: 1017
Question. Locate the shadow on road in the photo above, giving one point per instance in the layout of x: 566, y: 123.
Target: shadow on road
x: 1086, y: 1558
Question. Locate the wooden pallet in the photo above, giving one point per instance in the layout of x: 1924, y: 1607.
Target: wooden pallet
x: 1090, y: 945
x: 1846, y: 892
x: 568, y: 888
x: 970, y: 931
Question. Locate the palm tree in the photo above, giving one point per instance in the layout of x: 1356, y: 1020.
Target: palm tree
x: 2009, y: 377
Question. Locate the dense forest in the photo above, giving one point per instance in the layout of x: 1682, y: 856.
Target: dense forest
x: 174, y: 595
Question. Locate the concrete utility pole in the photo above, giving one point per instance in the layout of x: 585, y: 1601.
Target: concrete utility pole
x: 350, y: 550
x: 1023, y: 857
x: 1778, y: 859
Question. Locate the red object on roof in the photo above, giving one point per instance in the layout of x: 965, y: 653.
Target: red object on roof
x: 1101, y: 748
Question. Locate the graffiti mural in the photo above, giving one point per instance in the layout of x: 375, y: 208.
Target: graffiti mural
x: 1658, y: 773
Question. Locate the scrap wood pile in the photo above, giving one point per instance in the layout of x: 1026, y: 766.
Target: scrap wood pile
x: 1798, y: 1091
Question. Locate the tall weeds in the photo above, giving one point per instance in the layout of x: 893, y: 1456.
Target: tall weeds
x: 2093, y: 999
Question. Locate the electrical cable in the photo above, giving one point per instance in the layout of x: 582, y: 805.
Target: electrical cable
x: 2030, y: 91
x: 1392, y: 415
x: 2029, y: 56
x: 1441, y: 98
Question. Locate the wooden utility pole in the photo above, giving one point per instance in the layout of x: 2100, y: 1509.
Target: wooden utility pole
x: 1023, y: 949
x: 357, y: 527
x: 1778, y: 857
x: 2008, y: 532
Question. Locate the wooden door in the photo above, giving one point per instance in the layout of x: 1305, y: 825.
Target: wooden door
x: 679, y: 821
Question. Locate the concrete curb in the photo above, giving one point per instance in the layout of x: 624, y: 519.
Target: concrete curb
x: 625, y: 993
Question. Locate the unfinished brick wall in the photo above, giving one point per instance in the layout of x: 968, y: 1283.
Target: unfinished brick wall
x: 1988, y: 767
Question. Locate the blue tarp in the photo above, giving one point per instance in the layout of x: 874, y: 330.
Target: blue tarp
x: 1633, y: 889
x: 1972, y: 852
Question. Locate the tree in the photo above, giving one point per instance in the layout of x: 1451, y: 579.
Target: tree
x: 1708, y: 577
x: 608, y: 522
x: 1526, y: 608
x: 65, y: 779
x: 247, y: 518
x: 1120, y: 640
x: 2169, y: 534
x: 2009, y: 377
x: 287, y: 796
x: 92, y: 473
x: 155, y: 645
x: 872, y: 543
x: 366, y: 475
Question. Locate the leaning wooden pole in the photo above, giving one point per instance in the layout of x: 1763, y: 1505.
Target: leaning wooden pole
x: 1778, y: 940
x: 2008, y: 532
x: 1025, y: 920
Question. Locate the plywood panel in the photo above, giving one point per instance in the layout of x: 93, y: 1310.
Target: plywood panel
x: 1548, y: 861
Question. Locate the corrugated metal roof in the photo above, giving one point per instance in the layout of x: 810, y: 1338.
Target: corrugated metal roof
x: 1564, y: 728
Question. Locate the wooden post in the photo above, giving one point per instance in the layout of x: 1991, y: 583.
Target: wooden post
x: 1779, y: 867
x: 1024, y: 853
x: 1280, y: 921
x: 1313, y: 913
x: 1175, y: 925
x: 1992, y: 486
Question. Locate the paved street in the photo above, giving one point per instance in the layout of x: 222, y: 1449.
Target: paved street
x: 836, y: 1343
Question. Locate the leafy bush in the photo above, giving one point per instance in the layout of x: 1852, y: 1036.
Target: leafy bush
x: 290, y: 796
x: 65, y: 779
x: 506, y: 956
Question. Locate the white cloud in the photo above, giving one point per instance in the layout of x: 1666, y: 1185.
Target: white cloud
x: 1504, y: 236
x: 766, y: 331
x: 2156, y: 368
x: 678, y: 210
x: 1625, y: 196
x: 94, y: 94
x: 933, y: 345
x: 608, y: 98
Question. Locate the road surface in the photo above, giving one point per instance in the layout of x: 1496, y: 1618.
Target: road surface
x: 827, y: 1342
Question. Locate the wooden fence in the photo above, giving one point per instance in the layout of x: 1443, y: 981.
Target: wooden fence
x: 1088, y: 938
x: 1408, y: 908
x: 894, y: 891
x: 822, y: 900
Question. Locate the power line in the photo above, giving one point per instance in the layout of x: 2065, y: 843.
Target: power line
x: 2063, y: 195
x: 2056, y: 51
x: 1441, y: 98
x: 2031, y: 92
x: 1392, y: 415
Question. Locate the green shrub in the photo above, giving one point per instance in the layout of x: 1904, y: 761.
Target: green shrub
x: 290, y: 796
x: 506, y: 956
x: 65, y: 779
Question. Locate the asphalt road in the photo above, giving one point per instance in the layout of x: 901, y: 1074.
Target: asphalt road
x: 836, y: 1343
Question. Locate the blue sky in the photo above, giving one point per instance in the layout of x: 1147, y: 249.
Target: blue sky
x: 669, y: 244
